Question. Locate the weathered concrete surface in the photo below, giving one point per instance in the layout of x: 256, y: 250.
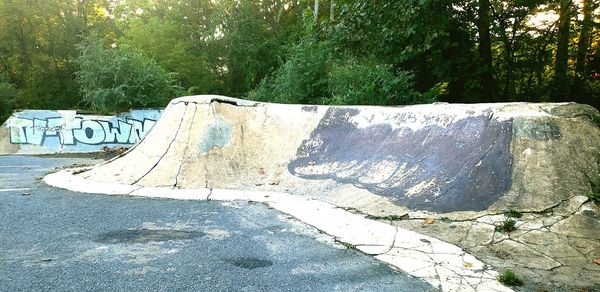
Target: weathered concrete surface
x: 49, y: 132
x: 464, y: 164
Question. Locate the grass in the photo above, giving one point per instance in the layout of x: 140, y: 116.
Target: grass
x: 509, y: 278
x: 507, y: 226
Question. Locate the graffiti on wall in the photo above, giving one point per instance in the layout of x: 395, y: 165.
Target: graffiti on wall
x: 79, y: 130
x: 53, y: 131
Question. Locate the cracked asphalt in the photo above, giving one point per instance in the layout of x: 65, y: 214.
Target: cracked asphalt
x: 56, y: 240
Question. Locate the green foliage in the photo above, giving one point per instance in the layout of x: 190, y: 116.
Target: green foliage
x: 382, y: 52
x: 594, y: 197
x: 369, y: 83
x: 302, y: 78
x: 507, y: 226
x: 255, y: 34
x: 592, y: 87
x: 166, y: 42
x: 37, y: 43
x: 314, y: 74
x: 8, y: 96
x: 437, y: 50
x: 116, y: 79
x: 509, y: 278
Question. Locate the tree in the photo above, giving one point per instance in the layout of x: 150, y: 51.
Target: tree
x: 485, y: 51
x: 584, y: 38
x: 562, y: 49
x: 8, y: 97
x: 168, y: 42
x: 118, y: 79
x: 37, y: 43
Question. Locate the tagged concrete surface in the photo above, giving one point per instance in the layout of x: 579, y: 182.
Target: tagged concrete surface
x: 48, y: 132
x: 452, y: 161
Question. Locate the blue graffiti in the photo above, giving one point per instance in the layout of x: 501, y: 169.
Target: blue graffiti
x: 79, y: 130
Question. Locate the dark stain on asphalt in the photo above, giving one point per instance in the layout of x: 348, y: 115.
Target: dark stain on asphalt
x: 250, y: 263
x: 129, y: 236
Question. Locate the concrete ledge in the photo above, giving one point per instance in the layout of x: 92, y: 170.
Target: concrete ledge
x: 172, y: 193
x: 67, y: 180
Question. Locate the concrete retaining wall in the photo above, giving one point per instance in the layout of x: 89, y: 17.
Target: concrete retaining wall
x: 47, y: 132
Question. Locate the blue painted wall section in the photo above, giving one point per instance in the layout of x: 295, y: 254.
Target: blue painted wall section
x: 464, y: 166
x: 42, y: 131
x: 218, y: 134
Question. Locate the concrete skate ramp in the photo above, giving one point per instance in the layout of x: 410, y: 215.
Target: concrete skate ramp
x: 380, y: 160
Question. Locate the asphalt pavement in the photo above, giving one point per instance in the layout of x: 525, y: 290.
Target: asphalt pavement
x: 56, y: 240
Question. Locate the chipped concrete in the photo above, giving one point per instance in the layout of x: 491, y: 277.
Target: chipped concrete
x: 449, y: 172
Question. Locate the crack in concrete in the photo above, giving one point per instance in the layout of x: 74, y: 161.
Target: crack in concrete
x: 166, y: 151
x: 210, y: 191
x: 230, y: 101
x: 187, y: 146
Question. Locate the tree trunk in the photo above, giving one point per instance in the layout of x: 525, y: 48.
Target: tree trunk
x: 485, y: 51
x: 562, y: 49
x: 316, y: 11
x: 584, y: 37
x: 331, y: 10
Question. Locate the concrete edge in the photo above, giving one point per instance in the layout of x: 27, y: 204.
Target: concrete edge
x: 439, y: 263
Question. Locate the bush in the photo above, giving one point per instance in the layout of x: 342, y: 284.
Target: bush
x: 314, y: 74
x: 507, y: 226
x: 368, y: 83
x: 117, y: 79
x: 302, y: 78
x: 509, y: 278
x: 8, y: 97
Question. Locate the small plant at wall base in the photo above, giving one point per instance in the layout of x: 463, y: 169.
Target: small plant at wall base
x: 509, y: 278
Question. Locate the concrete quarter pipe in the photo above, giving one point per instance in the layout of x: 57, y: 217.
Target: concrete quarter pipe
x: 451, y: 159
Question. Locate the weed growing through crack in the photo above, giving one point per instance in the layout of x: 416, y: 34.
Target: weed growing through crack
x: 388, y: 217
x: 512, y: 213
x: 345, y: 244
x: 507, y: 226
x: 509, y: 278
x: 445, y: 219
